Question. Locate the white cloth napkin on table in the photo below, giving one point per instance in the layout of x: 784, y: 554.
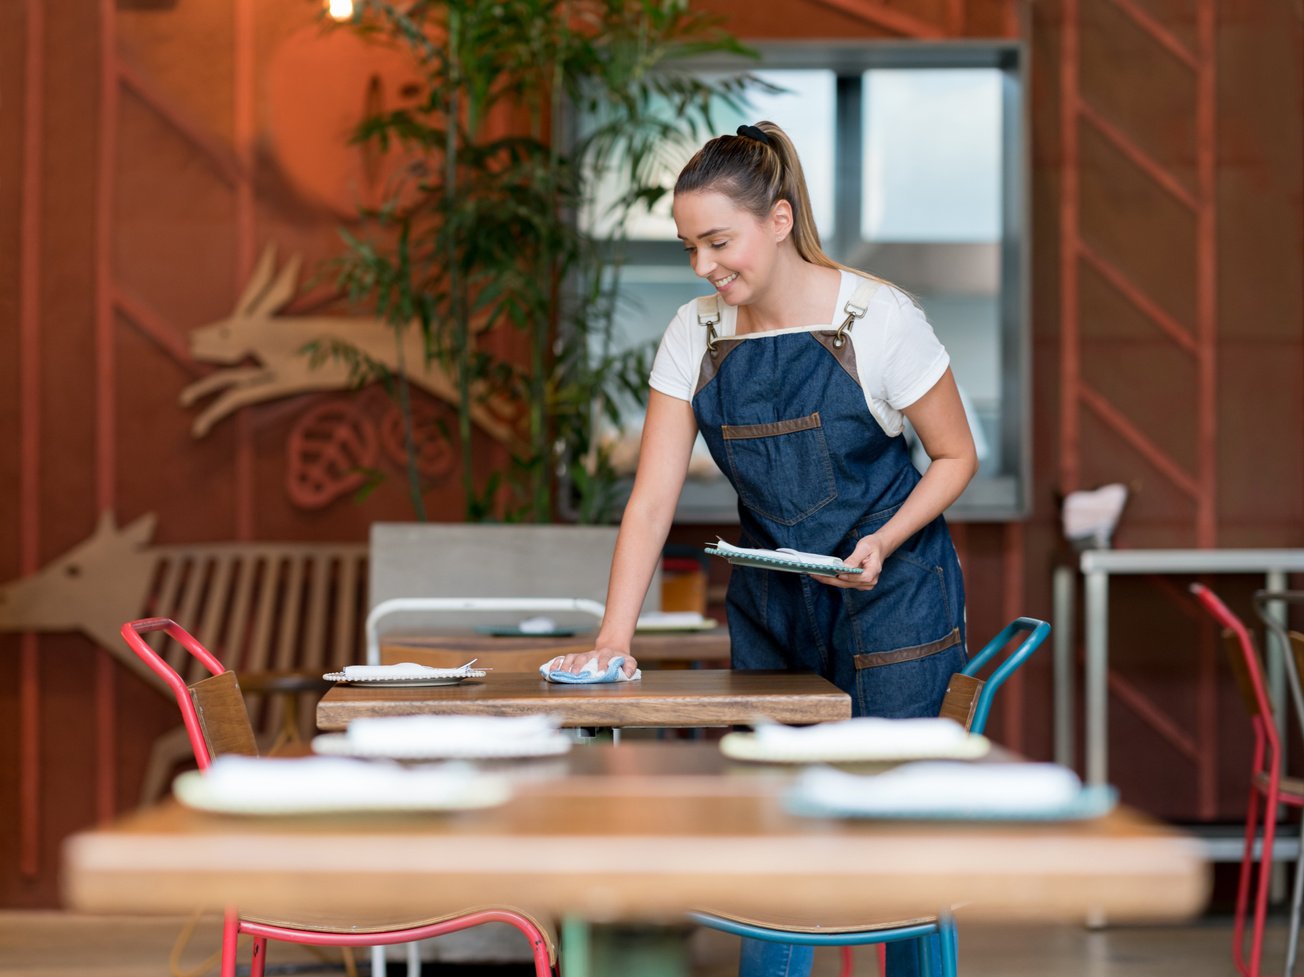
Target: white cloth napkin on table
x: 867, y: 732
x: 939, y: 787
x: 379, y: 733
x: 340, y: 783
x: 401, y: 670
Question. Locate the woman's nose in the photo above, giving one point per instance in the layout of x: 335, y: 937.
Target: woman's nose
x: 702, y: 264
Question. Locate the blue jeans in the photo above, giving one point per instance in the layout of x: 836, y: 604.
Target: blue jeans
x: 760, y: 958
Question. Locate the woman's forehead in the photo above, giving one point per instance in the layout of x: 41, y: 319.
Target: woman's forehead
x: 700, y: 213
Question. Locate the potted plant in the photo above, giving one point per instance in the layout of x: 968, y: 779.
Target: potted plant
x: 526, y: 107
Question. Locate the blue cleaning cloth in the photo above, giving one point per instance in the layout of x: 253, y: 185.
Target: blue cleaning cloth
x: 589, y: 674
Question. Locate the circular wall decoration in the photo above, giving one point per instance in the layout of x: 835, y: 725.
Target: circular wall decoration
x: 320, y: 85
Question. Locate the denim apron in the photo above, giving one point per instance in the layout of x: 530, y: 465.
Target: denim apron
x: 785, y: 418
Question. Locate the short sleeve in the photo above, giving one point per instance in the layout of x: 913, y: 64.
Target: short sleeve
x: 675, y: 368
x: 913, y: 357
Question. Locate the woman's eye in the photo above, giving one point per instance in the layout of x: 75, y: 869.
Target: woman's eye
x: 717, y: 245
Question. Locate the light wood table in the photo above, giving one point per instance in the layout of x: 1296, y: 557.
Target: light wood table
x: 687, y: 697
x: 639, y: 832
x: 649, y: 647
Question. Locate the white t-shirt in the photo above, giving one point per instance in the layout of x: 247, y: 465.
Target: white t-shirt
x: 898, y: 357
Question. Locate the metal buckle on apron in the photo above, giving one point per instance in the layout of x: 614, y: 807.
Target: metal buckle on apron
x: 708, y: 314
x: 855, y: 308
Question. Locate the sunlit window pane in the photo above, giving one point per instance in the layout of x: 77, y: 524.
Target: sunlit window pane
x: 932, y: 155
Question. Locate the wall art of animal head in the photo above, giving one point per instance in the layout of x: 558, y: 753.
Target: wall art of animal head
x: 280, y: 347
x: 259, y: 605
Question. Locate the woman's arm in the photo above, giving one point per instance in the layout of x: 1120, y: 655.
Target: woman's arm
x: 938, y: 418
x: 668, y: 435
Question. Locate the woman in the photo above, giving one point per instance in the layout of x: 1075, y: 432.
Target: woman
x: 798, y: 372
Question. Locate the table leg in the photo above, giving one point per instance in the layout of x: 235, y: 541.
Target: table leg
x: 1096, y: 619
x: 1063, y: 584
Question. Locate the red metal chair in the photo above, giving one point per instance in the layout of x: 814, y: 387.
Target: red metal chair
x: 215, y: 718
x: 1269, y: 787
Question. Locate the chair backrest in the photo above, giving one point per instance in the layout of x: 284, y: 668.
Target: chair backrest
x: 212, y: 708
x: 516, y: 659
x: 1246, y: 666
x: 968, y: 698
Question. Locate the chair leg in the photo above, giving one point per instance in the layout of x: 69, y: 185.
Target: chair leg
x: 258, y: 962
x: 848, y: 961
x: 230, y: 942
x: 949, y: 938
x: 1243, y: 884
x: 377, y: 961
x: 880, y: 951
x: 1265, y: 884
x: 1296, y: 901
x: 414, y: 959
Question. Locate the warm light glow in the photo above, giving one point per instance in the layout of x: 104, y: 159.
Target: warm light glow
x: 340, y: 9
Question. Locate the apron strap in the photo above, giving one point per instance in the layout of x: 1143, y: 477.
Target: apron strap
x: 708, y: 315
x: 855, y: 308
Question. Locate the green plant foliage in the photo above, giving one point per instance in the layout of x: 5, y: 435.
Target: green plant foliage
x: 482, y: 234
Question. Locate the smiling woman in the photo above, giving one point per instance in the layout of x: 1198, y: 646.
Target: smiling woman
x: 915, y: 170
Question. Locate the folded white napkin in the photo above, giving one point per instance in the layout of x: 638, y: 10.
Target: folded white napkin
x: 399, y: 671
x: 408, y: 733
x: 590, y: 674
x: 537, y: 625
x: 939, y: 787
x: 671, y: 619
x: 339, y: 783
x: 900, y: 735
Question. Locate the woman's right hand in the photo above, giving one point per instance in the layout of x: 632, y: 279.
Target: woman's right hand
x: 574, y: 663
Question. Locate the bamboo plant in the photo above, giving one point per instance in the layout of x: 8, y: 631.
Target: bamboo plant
x: 486, y: 234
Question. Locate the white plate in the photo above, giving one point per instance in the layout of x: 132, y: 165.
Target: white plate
x: 1093, y: 801
x: 194, y: 790
x: 453, y: 677
x: 337, y: 744
x: 747, y: 746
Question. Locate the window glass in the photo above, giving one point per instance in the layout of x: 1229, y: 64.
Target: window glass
x: 804, y: 108
x: 932, y: 154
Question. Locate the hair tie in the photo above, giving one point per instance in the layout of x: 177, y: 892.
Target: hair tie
x: 751, y: 132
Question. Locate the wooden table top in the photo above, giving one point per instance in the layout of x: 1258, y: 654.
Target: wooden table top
x: 641, y: 831
x: 648, y: 646
x: 686, y: 697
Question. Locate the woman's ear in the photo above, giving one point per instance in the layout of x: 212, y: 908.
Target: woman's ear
x: 781, y: 221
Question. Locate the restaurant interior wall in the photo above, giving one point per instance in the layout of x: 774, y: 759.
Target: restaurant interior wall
x: 143, y: 169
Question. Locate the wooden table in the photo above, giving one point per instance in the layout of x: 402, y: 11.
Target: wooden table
x: 690, y: 697
x: 649, y: 647
x: 641, y: 831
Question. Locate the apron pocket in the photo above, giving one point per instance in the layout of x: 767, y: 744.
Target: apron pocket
x: 782, y: 470
x: 907, y: 683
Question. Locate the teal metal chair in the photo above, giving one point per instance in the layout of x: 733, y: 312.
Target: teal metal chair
x: 968, y: 701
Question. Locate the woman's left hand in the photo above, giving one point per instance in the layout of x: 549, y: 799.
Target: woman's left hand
x: 869, y: 555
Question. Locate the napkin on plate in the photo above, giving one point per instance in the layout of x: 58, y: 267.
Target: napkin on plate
x: 334, y: 783
x: 939, y: 787
x: 537, y: 625
x: 407, y: 733
x: 919, y: 736
x: 589, y: 674
x: 401, y: 670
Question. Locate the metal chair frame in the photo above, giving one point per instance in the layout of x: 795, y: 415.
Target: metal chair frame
x: 233, y: 923
x: 1268, y: 788
x: 942, y: 930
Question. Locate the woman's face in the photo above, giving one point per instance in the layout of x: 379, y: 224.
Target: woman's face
x: 727, y: 245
